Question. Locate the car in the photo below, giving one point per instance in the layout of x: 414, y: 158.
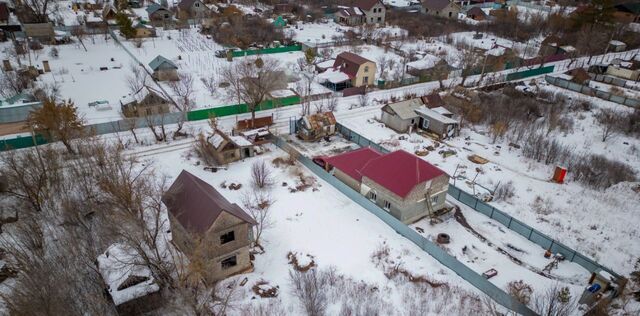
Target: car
x: 490, y: 273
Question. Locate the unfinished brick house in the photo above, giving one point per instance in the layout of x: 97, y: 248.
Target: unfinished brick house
x: 203, y: 222
x: 316, y: 126
x: 401, y: 183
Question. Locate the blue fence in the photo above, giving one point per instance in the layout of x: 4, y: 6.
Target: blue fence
x: 514, y: 224
x: 429, y: 247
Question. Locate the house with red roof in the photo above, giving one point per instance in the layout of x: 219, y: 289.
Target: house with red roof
x: 401, y: 183
x: 203, y: 222
x: 349, y: 70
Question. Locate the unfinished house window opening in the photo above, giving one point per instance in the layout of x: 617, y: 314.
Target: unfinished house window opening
x: 229, y: 262
x: 227, y: 237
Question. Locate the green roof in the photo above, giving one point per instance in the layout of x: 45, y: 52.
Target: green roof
x: 159, y: 61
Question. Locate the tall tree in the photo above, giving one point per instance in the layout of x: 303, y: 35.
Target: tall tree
x: 57, y: 122
x: 252, y: 81
x: 597, y: 12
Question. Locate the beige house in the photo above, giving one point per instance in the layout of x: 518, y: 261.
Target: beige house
x: 193, y: 9
x: 441, y: 8
x: 207, y: 226
x: 144, y: 30
x: 349, y: 70
x: 146, y: 101
x: 401, y: 183
x: 629, y: 70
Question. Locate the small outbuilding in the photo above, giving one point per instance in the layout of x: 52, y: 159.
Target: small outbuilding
x: 401, y: 116
x: 316, y: 126
x: 130, y: 284
x: 476, y: 13
x: 437, y: 123
x: 145, y: 102
x: 617, y: 46
x: 164, y: 69
x: 230, y: 148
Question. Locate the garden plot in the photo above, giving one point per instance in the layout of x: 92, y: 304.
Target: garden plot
x: 487, y: 244
x: 524, y: 50
x: 576, y: 215
x: 333, y: 231
x: 433, y: 46
x: 317, y: 33
x: 99, y: 73
x: 194, y: 53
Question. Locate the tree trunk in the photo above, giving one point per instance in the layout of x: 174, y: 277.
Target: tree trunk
x: 68, y: 146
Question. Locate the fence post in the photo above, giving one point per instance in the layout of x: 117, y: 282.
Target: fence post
x: 574, y: 255
x: 530, y: 233
x: 475, y: 206
x: 551, y: 246
x: 510, y: 219
x: 492, y: 209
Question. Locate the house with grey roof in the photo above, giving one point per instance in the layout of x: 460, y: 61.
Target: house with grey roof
x: 401, y: 116
x: 193, y: 9
x: 159, y: 15
x: 164, y: 69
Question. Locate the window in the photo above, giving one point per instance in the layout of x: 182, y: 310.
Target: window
x: 366, y: 68
x: 197, y: 5
x: 227, y: 237
x: 426, y: 10
x: 372, y: 196
x: 365, y: 80
x: 387, y: 205
x: 434, y: 199
x: 379, y: 19
x: 425, y: 123
x: 166, y: 16
x: 229, y: 262
x: 371, y: 19
x: 450, y: 13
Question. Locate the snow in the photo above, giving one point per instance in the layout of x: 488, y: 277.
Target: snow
x: 333, y: 75
x: 498, y: 51
x: 240, y: 141
x: 119, y: 263
x: 427, y: 62
x: 216, y: 140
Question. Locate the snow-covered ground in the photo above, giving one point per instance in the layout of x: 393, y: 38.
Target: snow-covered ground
x: 601, y: 224
x: 488, y: 41
x: 325, y: 224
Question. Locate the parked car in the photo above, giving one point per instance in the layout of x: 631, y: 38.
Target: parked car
x: 490, y: 273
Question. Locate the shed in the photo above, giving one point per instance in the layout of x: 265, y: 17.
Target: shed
x: 316, y: 126
x: 434, y: 122
x: 617, y: 46
x: 229, y: 148
x: 432, y: 100
x: 476, y: 13
x: 130, y: 284
x: 164, y: 69
x: 401, y: 116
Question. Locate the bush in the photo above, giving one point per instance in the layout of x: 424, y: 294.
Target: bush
x: 504, y: 191
x: 600, y: 172
x: 311, y: 289
x: 521, y: 291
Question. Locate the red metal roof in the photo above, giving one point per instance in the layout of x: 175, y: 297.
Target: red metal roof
x: 350, y: 162
x: 196, y: 204
x: 400, y: 171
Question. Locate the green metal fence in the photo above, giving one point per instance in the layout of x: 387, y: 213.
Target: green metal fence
x: 21, y: 142
x: 530, y: 73
x: 265, y: 51
x: 240, y: 108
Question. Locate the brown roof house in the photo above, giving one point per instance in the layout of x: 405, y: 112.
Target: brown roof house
x: 316, y: 126
x: 146, y: 101
x: 164, y: 69
x: 229, y: 148
x: 441, y: 8
x: 197, y: 212
x: 349, y: 70
x: 130, y: 284
x: 401, y: 183
x: 193, y: 9
x: 476, y: 13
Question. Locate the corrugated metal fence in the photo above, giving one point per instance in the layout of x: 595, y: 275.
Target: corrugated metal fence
x: 429, y: 247
x: 515, y: 225
x: 563, y: 83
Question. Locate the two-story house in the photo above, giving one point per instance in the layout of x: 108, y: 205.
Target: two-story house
x: 374, y: 11
x: 441, y: 8
x: 401, y: 183
x: 204, y: 223
x: 362, y: 12
x: 193, y: 9
x: 349, y: 70
x: 144, y: 102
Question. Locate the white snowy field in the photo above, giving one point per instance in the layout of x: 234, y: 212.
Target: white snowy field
x: 602, y: 224
x: 99, y: 73
x: 524, y: 50
x: 336, y: 232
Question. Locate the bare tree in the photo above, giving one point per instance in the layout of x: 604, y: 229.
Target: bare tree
x: 610, y: 122
x: 261, y: 174
x: 332, y: 103
x: 258, y: 204
x: 137, y: 79
x: 211, y: 83
x: 58, y: 122
x: 253, y: 80
x: 36, y: 11
x: 383, y: 64
x: 555, y: 301
x: 310, y: 289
